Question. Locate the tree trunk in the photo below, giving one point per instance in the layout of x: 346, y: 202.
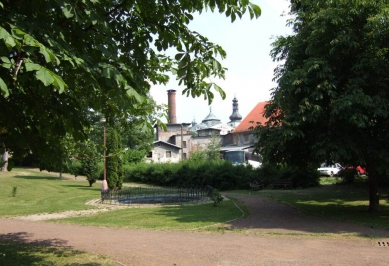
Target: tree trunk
x: 4, y: 161
x: 374, y: 204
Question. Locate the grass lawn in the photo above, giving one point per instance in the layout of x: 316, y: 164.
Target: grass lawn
x: 339, y: 201
x: 42, y: 193
x: 16, y: 254
x: 169, y: 217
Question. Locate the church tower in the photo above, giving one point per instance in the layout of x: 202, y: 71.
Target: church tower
x: 235, y: 118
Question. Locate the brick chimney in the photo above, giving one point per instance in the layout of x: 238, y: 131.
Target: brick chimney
x: 171, y: 101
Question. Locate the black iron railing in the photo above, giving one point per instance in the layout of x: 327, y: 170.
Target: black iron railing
x: 152, y: 195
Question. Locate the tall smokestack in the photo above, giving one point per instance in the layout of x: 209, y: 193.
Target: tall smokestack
x: 171, y: 101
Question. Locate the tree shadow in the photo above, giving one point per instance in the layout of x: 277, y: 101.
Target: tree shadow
x: 269, y: 216
x: 34, y: 177
x: 18, y: 249
x: 86, y: 186
x: 195, y: 214
x: 51, y: 178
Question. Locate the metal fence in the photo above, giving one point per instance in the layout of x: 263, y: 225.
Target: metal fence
x: 153, y: 195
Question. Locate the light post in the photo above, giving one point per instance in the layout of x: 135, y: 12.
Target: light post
x: 104, y: 184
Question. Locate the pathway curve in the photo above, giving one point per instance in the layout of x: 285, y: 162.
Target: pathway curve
x: 274, y: 234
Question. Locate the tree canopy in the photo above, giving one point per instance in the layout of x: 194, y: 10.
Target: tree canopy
x: 332, y: 98
x: 61, y: 60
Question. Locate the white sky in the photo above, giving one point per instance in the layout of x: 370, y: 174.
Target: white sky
x: 250, y: 67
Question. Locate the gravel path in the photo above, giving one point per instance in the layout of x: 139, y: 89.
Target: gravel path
x: 274, y: 234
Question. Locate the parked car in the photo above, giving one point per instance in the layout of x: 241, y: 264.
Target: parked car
x: 329, y: 169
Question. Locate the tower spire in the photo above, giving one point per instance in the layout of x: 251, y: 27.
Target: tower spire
x: 235, y: 111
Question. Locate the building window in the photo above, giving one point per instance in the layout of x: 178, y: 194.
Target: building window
x: 184, y: 156
x: 150, y: 155
x: 168, y: 154
x: 184, y: 144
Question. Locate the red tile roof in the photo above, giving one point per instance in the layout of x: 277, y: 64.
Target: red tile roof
x: 256, y: 115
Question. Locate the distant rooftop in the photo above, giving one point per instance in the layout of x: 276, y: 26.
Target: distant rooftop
x: 256, y: 115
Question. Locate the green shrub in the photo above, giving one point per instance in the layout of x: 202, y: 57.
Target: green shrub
x: 90, y: 166
x: 114, y: 162
x: 348, y: 175
x: 305, y: 177
x: 301, y: 177
x: 267, y: 173
x: 219, y: 174
x: 216, y: 197
x: 74, y: 168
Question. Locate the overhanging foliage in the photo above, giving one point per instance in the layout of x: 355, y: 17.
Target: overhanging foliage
x: 61, y: 59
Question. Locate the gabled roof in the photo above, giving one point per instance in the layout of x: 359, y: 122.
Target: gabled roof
x: 167, y: 143
x: 235, y: 148
x: 256, y: 115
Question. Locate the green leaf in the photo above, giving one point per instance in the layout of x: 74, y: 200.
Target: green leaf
x: 181, y: 72
x: 10, y: 42
x: 67, y: 11
x: 189, y: 16
x: 49, y: 56
x: 4, y: 88
x: 6, y: 62
x: 216, y: 65
x: 32, y: 66
x: 219, y: 90
x: 233, y: 17
x: 3, y: 33
x: 131, y: 92
x: 30, y: 41
x: 59, y: 83
x: 228, y: 12
x: 18, y: 33
x: 45, y: 76
x: 179, y: 56
x: 256, y: 9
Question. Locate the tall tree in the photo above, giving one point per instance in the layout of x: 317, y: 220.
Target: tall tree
x: 212, y: 150
x: 136, y: 136
x: 115, y: 175
x: 89, y: 163
x: 59, y: 59
x: 332, y: 98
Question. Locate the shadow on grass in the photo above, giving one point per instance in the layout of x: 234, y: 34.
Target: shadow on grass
x: 164, y: 217
x: 34, y: 177
x: 16, y: 249
x: 52, y: 178
x: 85, y: 186
x: 200, y: 214
x: 268, y: 215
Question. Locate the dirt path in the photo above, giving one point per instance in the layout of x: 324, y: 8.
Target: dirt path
x: 274, y: 234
